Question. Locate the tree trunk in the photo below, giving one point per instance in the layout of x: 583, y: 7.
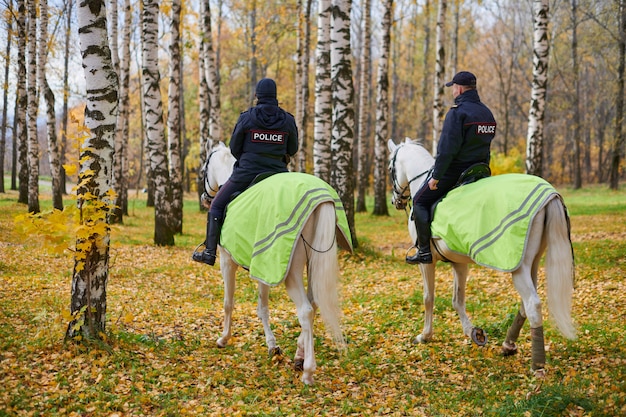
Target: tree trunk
x: 576, y: 127
x: 364, y: 106
x: 343, y: 111
x: 5, y: 99
x: 382, y: 115
x: 53, y: 146
x: 422, y: 125
x: 173, y: 121
x: 618, y: 147
x: 33, y: 110
x: 66, y: 92
x: 211, y: 69
x: 440, y: 72
x: 91, y: 261
x: 541, y: 48
x: 22, y: 104
x: 322, y: 123
x: 302, y: 81
x: 157, y: 149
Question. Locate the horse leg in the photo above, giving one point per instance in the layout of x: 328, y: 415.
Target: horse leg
x: 532, y: 305
x: 263, y: 312
x: 428, y: 275
x: 228, y: 268
x: 458, y: 296
x: 305, y: 355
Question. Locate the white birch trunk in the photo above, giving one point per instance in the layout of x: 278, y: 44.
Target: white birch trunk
x: 211, y: 74
x: 173, y: 120
x: 22, y: 103
x: 541, y: 50
x: 363, y: 141
x: 440, y: 71
x: 155, y: 132
x: 323, y: 95
x: 33, y: 107
x: 382, y: 115
x: 54, y: 156
x: 91, y: 262
x: 343, y: 111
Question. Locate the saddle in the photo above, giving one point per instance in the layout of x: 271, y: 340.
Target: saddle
x: 473, y: 173
x: 260, y: 177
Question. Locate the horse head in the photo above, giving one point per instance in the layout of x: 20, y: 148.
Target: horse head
x: 408, y: 162
x: 216, y: 171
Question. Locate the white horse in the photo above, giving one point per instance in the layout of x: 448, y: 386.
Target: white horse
x: 409, y: 165
x: 322, y: 267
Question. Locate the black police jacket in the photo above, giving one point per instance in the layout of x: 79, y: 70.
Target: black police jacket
x: 468, y: 129
x: 262, y: 137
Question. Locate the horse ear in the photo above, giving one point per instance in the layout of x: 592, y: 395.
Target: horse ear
x: 392, y: 146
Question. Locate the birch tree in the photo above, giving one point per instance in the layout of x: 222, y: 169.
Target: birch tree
x: 66, y: 91
x: 576, y: 133
x: 323, y: 94
x: 618, y: 147
x: 440, y: 73
x: 155, y: 132
x: 94, y: 192
x: 5, y: 97
x: 32, y: 110
x: 54, y: 156
x: 302, y: 80
x: 422, y: 129
x: 343, y: 109
x: 364, y: 105
x: 541, y: 49
x: 211, y: 72
x: 382, y: 115
x: 120, y: 165
x: 173, y: 120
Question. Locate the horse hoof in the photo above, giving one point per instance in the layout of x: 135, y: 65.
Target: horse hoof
x: 479, y: 336
x: 298, y: 365
x: 275, y: 351
x: 509, y: 349
x: 221, y: 343
x: 539, y: 373
x: 419, y: 340
x: 308, y: 380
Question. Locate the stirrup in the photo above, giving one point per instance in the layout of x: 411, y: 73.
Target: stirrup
x: 204, y: 256
x: 419, y: 257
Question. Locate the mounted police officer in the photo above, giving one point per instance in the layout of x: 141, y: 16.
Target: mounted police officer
x: 264, y: 138
x: 468, y: 129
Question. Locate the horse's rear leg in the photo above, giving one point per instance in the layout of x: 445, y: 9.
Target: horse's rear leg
x: 428, y: 275
x: 532, y: 305
x: 305, y: 355
x: 263, y: 311
x: 229, y: 268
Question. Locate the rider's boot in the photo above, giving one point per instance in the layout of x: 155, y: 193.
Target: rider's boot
x: 209, y: 253
x: 422, y: 225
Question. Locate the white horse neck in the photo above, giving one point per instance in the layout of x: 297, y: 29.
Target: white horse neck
x: 412, y: 161
x: 220, y: 166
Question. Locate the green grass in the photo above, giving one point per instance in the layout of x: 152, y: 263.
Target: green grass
x: 165, y: 314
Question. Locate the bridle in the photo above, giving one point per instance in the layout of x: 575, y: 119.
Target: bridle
x: 209, y: 194
x: 401, y: 195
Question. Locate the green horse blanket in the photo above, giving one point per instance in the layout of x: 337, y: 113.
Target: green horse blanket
x: 489, y: 220
x: 263, y: 223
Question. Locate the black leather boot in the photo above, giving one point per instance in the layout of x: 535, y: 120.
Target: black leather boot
x: 209, y: 253
x: 422, y: 225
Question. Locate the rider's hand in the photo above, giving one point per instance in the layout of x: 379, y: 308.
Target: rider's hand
x: 432, y: 184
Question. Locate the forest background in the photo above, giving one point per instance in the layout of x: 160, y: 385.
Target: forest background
x: 252, y: 40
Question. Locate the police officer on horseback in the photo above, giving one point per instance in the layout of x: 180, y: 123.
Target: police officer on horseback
x: 468, y: 129
x: 263, y: 140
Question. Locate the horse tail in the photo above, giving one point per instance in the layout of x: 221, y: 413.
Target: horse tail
x: 559, y: 267
x: 323, y: 272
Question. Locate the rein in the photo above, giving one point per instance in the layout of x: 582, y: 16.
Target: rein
x: 400, y: 193
x: 209, y: 196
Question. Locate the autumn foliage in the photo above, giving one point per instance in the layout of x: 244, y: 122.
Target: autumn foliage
x: 160, y: 357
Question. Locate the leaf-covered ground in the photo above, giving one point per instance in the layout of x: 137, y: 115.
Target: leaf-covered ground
x: 165, y: 315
